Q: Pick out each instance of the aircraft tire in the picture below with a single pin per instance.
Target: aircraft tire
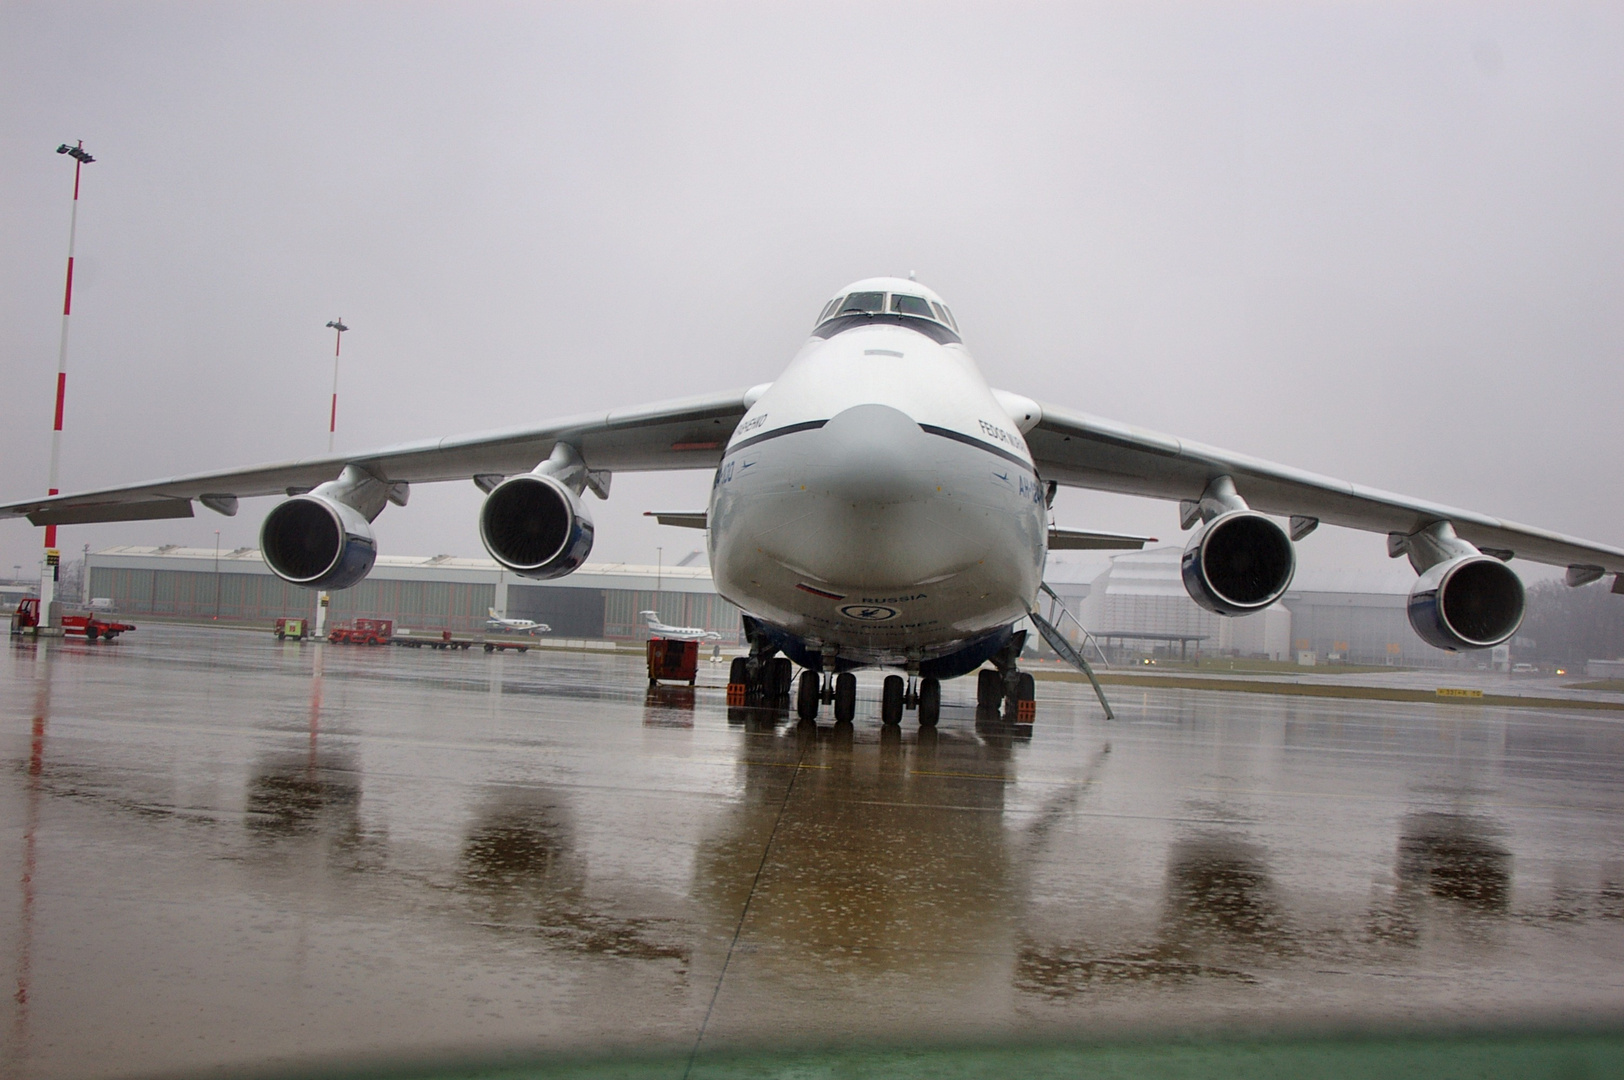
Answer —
(739, 670)
(845, 697)
(806, 696)
(989, 688)
(783, 678)
(930, 702)
(891, 700)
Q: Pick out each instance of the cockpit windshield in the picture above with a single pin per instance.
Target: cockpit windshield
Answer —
(881, 303)
(866, 302)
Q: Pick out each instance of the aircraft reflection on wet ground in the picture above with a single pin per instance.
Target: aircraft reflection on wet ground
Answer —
(226, 851)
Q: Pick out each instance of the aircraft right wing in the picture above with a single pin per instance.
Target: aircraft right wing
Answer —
(690, 433)
(1079, 450)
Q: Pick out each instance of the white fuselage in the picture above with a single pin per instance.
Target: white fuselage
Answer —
(878, 501)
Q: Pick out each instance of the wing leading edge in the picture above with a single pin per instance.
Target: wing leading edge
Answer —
(1079, 450)
(689, 433)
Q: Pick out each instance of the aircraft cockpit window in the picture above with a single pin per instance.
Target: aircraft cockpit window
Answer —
(842, 308)
(866, 302)
(903, 304)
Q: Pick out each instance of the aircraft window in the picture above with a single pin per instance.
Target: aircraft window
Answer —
(870, 302)
(951, 321)
(937, 308)
(829, 308)
(910, 305)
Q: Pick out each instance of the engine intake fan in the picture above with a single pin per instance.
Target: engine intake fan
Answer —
(535, 524)
(1238, 561)
(1463, 599)
(323, 540)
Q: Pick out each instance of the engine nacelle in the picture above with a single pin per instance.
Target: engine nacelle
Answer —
(536, 526)
(1238, 563)
(1470, 602)
(317, 542)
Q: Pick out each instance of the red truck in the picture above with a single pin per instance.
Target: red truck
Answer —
(89, 627)
(363, 632)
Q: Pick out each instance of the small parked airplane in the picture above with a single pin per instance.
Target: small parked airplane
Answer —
(677, 633)
(525, 626)
(879, 505)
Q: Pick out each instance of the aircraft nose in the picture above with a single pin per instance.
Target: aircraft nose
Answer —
(872, 454)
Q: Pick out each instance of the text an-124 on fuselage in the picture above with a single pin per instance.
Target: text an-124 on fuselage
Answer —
(878, 505)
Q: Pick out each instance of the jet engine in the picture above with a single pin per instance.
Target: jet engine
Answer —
(536, 526)
(317, 542)
(1469, 602)
(1237, 563)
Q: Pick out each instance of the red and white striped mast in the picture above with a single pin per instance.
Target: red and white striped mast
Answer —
(53, 557)
(324, 598)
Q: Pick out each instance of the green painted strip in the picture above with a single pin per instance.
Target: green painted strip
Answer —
(1595, 1056)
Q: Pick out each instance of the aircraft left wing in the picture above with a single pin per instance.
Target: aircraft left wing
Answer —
(689, 433)
(1079, 450)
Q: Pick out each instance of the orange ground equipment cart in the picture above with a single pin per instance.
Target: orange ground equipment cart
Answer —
(672, 661)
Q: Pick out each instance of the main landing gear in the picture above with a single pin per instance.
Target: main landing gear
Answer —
(1007, 686)
(756, 680)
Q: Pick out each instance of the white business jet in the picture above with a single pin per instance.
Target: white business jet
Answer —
(523, 626)
(879, 505)
(677, 633)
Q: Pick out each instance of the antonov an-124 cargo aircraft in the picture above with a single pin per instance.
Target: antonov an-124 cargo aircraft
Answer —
(878, 505)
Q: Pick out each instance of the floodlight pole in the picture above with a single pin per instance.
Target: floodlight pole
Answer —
(53, 557)
(338, 328)
(325, 598)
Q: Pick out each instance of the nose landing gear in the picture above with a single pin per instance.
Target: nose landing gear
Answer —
(923, 694)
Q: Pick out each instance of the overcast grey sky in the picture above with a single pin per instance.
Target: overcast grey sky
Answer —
(1382, 241)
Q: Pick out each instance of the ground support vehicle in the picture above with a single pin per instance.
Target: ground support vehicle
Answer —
(363, 632)
(290, 629)
(89, 627)
(672, 661)
(503, 646)
(444, 641)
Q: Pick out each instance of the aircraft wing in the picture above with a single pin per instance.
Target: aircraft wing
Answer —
(1079, 450)
(685, 434)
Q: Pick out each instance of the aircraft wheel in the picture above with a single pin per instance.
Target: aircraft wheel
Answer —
(739, 670)
(930, 701)
(783, 678)
(1024, 699)
(989, 688)
(891, 700)
(806, 696)
(845, 697)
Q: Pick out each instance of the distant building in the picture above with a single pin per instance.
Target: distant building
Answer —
(1138, 606)
(1359, 615)
(599, 601)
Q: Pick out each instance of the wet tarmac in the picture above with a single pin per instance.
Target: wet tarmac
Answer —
(224, 851)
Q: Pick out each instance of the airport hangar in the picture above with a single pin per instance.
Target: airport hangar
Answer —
(1135, 605)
